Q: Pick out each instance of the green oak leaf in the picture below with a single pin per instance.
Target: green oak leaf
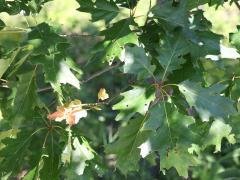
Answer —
(79, 155)
(137, 62)
(179, 158)
(171, 53)
(135, 100)
(207, 101)
(127, 146)
(168, 14)
(221, 70)
(217, 132)
(57, 71)
(235, 38)
(169, 139)
(116, 37)
(115, 47)
(100, 9)
(25, 99)
(13, 154)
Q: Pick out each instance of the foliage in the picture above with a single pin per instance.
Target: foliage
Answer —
(176, 110)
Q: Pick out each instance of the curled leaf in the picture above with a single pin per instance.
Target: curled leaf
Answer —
(102, 94)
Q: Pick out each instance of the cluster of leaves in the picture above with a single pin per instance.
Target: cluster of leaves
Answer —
(179, 105)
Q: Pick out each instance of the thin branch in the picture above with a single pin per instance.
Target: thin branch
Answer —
(81, 35)
(237, 4)
(44, 89)
(100, 72)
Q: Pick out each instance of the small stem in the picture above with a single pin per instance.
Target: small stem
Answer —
(44, 89)
(170, 85)
(100, 73)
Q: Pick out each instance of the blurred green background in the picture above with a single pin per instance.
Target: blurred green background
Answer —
(100, 128)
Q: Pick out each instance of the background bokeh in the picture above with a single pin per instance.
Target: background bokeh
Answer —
(100, 128)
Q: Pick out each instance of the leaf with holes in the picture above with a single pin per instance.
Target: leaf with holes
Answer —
(136, 100)
(137, 62)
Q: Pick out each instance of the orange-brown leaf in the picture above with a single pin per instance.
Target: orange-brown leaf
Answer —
(58, 114)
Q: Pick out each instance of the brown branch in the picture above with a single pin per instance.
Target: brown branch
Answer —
(100, 72)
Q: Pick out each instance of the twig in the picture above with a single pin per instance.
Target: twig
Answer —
(100, 73)
(44, 89)
(237, 4)
(81, 35)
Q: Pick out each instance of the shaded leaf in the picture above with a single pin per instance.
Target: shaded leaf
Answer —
(25, 99)
(127, 147)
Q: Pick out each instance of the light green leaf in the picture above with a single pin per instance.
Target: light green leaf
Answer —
(80, 154)
(116, 37)
(136, 100)
(178, 158)
(217, 132)
(57, 72)
(137, 62)
(207, 101)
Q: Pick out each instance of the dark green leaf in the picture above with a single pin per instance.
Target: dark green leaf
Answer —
(207, 101)
(127, 147)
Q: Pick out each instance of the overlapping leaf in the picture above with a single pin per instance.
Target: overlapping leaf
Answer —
(207, 101)
(168, 125)
(116, 37)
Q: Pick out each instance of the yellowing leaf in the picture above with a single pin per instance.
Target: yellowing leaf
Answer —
(102, 94)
